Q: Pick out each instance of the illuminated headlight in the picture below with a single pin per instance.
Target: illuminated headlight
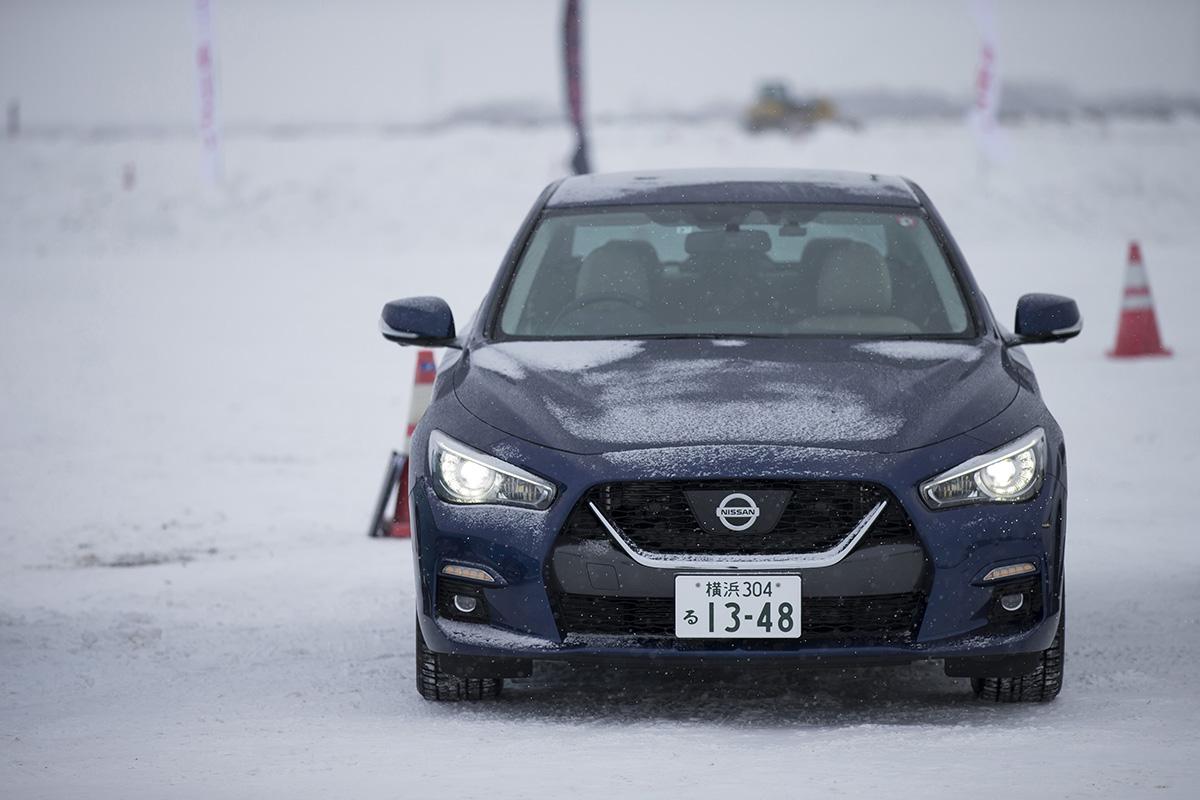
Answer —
(462, 474)
(1008, 474)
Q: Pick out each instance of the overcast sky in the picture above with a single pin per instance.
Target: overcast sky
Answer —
(130, 61)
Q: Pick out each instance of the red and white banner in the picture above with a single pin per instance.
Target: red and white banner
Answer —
(573, 64)
(985, 110)
(210, 139)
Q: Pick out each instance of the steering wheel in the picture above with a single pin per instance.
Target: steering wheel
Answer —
(580, 303)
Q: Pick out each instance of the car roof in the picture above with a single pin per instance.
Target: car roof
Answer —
(660, 187)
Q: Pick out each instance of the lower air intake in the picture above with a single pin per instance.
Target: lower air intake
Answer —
(871, 619)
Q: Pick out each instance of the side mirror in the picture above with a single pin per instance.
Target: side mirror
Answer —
(1046, 318)
(424, 321)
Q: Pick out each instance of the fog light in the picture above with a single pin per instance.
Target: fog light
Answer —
(1012, 570)
(467, 604)
(1009, 602)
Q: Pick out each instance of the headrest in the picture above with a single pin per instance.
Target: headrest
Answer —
(815, 251)
(854, 278)
(703, 242)
(618, 267)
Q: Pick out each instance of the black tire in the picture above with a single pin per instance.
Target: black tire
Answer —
(1040, 686)
(436, 685)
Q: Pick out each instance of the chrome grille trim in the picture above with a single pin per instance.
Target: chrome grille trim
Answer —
(826, 558)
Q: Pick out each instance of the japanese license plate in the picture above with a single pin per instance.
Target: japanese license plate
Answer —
(737, 606)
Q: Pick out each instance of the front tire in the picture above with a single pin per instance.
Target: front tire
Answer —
(436, 685)
(1040, 686)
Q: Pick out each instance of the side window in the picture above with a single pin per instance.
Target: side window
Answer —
(588, 238)
(784, 249)
(667, 241)
(873, 235)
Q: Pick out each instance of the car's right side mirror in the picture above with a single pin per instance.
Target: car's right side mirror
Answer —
(423, 321)
(1046, 318)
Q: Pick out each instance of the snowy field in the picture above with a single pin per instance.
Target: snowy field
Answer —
(195, 408)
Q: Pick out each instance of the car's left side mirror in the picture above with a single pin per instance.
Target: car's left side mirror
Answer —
(1046, 318)
(422, 321)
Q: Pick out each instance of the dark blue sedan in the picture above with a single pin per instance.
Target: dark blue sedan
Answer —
(737, 417)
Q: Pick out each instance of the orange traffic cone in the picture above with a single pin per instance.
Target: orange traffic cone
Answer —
(422, 394)
(401, 525)
(1137, 331)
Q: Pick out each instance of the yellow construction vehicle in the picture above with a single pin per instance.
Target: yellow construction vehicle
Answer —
(776, 109)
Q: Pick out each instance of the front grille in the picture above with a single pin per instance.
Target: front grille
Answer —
(655, 516)
(876, 618)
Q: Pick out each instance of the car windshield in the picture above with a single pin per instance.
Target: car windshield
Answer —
(733, 269)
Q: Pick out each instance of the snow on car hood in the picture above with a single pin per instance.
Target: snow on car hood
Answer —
(600, 396)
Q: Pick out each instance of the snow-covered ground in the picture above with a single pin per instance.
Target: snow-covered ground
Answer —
(195, 408)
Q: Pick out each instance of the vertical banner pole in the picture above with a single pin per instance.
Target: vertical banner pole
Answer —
(210, 140)
(573, 63)
(983, 118)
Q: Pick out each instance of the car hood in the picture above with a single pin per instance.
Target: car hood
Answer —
(600, 396)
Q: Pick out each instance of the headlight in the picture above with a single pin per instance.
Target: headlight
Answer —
(1007, 474)
(462, 474)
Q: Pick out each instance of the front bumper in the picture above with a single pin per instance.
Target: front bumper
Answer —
(956, 547)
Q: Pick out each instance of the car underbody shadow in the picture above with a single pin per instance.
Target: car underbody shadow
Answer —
(780, 695)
